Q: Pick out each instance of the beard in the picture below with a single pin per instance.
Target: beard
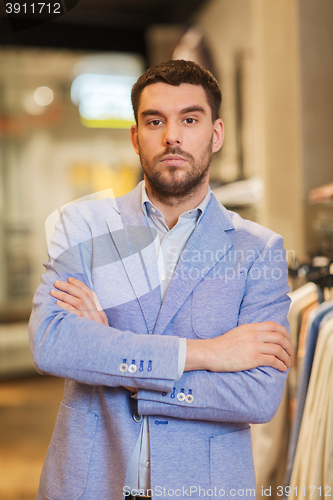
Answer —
(172, 184)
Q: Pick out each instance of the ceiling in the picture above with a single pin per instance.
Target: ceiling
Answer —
(112, 25)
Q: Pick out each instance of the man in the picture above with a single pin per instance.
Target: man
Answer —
(166, 306)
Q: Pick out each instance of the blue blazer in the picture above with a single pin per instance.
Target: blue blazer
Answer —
(231, 272)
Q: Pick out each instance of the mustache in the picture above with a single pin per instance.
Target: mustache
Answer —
(174, 151)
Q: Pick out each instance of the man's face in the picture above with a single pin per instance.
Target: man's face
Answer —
(175, 138)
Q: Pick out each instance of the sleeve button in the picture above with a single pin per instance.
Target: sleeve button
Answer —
(181, 396)
(189, 398)
(132, 368)
(123, 367)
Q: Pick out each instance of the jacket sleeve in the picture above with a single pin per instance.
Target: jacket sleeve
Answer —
(249, 396)
(68, 346)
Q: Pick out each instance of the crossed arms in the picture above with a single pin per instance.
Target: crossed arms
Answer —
(234, 376)
(243, 348)
(238, 376)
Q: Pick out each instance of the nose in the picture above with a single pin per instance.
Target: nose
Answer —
(173, 135)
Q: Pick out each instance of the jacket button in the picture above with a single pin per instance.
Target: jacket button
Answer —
(137, 417)
(189, 398)
(132, 368)
(123, 367)
(181, 396)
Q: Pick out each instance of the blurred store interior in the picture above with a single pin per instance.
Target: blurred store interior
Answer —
(274, 62)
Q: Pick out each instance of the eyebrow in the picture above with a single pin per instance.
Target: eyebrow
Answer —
(192, 109)
(189, 109)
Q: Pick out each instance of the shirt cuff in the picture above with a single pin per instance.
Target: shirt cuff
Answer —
(181, 356)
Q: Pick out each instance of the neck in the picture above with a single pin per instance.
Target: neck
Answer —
(172, 208)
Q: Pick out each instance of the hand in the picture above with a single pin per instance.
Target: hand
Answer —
(245, 347)
(75, 297)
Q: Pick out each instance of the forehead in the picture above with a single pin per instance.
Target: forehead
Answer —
(164, 97)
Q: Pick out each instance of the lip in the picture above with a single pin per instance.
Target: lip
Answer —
(173, 160)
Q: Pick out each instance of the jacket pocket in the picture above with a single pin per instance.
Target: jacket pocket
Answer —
(216, 303)
(65, 470)
(231, 465)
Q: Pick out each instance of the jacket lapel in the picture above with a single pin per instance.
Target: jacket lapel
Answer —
(207, 245)
(136, 245)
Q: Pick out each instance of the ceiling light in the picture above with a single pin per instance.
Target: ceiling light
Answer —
(43, 96)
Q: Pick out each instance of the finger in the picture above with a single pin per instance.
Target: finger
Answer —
(77, 289)
(79, 313)
(273, 337)
(96, 301)
(271, 326)
(288, 348)
(68, 308)
(94, 297)
(278, 352)
(285, 344)
(87, 310)
(104, 318)
(79, 284)
(278, 339)
(76, 296)
(99, 309)
(81, 291)
(85, 305)
(68, 299)
(268, 360)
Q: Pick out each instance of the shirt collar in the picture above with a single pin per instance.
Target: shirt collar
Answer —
(149, 208)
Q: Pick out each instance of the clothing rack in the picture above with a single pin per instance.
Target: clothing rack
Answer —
(296, 447)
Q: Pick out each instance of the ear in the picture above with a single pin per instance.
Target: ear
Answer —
(218, 135)
(134, 137)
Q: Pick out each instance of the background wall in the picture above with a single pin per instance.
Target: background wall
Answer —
(316, 56)
(283, 50)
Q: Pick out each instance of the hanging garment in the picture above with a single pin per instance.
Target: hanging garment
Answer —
(303, 336)
(314, 321)
(312, 471)
(270, 440)
(300, 299)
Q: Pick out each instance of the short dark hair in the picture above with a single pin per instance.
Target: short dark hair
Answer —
(176, 72)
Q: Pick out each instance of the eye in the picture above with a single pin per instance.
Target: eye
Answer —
(190, 120)
(154, 123)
